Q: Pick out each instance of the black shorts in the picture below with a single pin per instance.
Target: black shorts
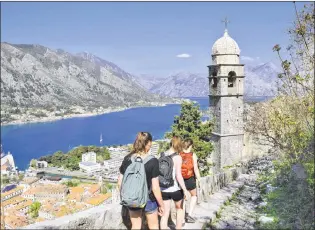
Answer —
(190, 183)
(175, 196)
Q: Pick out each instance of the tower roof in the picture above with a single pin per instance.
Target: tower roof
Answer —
(225, 45)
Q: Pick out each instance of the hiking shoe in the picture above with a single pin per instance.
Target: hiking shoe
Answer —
(190, 219)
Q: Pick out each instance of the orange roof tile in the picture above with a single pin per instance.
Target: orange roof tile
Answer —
(74, 196)
(76, 190)
(23, 205)
(14, 200)
(94, 188)
(46, 188)
(98, 199)
(15, 221)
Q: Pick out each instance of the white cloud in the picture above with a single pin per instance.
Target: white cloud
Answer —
(246, 58)
(250, 59)
(183, 56)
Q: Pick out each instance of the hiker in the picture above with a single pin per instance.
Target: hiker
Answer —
(172, 183)
(139, 183)
(191, 175)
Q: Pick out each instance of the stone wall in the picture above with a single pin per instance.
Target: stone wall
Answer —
(213, 183)
(112, 216)
(253, 149)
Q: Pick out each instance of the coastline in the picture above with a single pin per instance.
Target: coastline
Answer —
(86, 114)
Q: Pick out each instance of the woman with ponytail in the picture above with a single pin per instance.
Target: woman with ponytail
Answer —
(155, 205)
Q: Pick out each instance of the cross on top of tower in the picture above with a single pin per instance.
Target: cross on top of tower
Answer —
(226, 21)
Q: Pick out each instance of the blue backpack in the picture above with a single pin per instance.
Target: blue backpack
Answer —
(134, 191)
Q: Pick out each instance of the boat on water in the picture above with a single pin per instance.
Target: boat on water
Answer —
(101, 139)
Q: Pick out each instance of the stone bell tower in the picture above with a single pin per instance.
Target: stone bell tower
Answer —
(226, 84)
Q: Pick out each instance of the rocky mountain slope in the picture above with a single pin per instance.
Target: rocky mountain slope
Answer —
(34, 76)
(260, 81)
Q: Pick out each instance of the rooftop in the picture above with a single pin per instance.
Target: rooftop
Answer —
(98, 199)
(76, 189)
(11, 191)
(23, 205)
(46, 188)
(15, 221)
(8, 187)
(13, 201)
(30, 180)
(225, 45)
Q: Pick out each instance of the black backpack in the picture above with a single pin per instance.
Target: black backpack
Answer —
(166, 165)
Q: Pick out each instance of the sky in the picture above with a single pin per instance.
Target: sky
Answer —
(151, 38)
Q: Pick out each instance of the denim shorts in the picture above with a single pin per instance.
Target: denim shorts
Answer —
(150, 207)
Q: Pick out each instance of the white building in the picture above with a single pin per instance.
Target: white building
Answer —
(89, 157)
(113, 163)
(90, 167)
(154, 149)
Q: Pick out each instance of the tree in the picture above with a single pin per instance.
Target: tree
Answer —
(99, 159)
(21, 177)
(4, 180)
(33, 163)
(34, 208)
(189, 125)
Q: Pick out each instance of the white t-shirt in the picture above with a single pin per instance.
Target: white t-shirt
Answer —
(175, 187)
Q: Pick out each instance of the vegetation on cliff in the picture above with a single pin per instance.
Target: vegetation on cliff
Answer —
(287, 124)
(189, 125)
(71, 159)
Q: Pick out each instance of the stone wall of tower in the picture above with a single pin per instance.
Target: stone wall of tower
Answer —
(231, 115)
(231, 148)
(231, 59)
(224, 70)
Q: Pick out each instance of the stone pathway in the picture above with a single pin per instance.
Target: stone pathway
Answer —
(240, 213)
(205, 212)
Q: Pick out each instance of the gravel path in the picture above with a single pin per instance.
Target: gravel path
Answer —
(241, 212)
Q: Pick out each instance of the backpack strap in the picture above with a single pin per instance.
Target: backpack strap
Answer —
(149, 157)
(173, 155)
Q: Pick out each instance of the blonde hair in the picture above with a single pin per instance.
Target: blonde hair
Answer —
(176, 144)
(142, 139)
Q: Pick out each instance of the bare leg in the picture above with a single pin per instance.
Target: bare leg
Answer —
(193, 201)
(184, 208)
(153, 220)
(164, 218)
(180, 215)
(135, 217)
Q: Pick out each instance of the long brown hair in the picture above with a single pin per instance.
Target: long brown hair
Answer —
(142, 139)
(176, 144)
(187, 143)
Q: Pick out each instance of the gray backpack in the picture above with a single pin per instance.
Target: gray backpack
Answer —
(134, 191)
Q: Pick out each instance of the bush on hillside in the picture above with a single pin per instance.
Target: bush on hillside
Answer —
(286, 123)
(71, 159)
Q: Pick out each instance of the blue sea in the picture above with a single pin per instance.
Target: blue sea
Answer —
(29, 141)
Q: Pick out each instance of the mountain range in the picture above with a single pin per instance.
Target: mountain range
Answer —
(260, 80)
(35, 76)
